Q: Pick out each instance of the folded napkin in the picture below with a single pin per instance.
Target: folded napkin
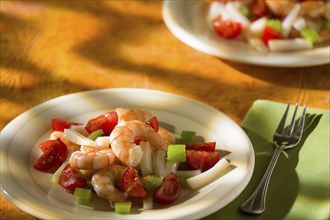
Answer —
(299, 186)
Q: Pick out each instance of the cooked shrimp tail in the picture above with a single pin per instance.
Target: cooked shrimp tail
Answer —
(92, 158)
(133, 114)
(122, 141)
(104, 183)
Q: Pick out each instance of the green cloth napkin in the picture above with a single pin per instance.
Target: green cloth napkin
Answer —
(299, 186)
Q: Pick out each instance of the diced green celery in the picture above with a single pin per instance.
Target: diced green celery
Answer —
(275, 24)
(326, 25)
(245, 11)
(123, 207)
(310, 34)
(82, 201)
(187, 137)
(176, 152)
(82, 192)
(151, 182)
(95, 134)
(82, 196)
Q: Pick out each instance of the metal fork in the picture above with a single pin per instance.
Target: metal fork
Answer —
(255, 204)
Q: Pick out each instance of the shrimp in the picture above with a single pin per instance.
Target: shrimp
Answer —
(92, 158)
(143, 115)
(133, 114)
(280, 8)
(104, 182)
(123, 136)
(314, 9)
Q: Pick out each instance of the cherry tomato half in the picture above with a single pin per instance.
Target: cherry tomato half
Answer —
(70, 180)
(60, 125)
(201, 160)
(204, 146)
(226, 28)
(270, 33)
(55, 153)
(46, 145)
(153, 122)
(169, 191)
(131, 183)
(106, 122)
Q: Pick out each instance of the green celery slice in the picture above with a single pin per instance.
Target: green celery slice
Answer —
(310, 34)
(82, 196)
(123, 207)
(176, 152)
(275, 24)
(95, 134)
(151, 182)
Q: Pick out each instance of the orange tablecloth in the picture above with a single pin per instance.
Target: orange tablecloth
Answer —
(53, 48)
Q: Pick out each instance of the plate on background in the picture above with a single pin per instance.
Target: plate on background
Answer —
(32, 191)
(188, 21)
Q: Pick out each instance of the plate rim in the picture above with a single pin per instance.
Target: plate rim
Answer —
(299, 60)
(20, 119)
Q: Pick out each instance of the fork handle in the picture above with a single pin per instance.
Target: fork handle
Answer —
(255, 204)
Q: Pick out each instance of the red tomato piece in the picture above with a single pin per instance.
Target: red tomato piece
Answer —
(226, 28)
(201, 160)
(169, 191)
(204, 146)
(131, 183)
(153, 122)
(258, 9)
(44, 146)
(54, 156)
(106, 122)
(60, 125)
(70, 180)
(270, 33)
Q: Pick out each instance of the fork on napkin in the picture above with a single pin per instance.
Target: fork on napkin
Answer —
(300, 186)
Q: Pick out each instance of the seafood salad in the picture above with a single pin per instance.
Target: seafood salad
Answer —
(127, 159)
(272, 25)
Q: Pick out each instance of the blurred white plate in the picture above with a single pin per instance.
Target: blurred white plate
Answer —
(32, 191)
(188, 21)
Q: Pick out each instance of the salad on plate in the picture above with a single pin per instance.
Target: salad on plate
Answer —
(272, 25)
(124, 157)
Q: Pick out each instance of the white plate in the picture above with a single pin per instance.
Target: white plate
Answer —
(32, 192)
(188, 21)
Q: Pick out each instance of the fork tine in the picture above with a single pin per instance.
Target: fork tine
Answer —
(291, 126)
(301, 123)
(282, 122)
